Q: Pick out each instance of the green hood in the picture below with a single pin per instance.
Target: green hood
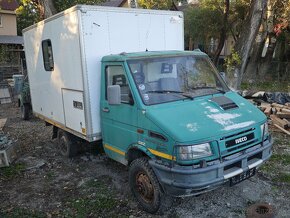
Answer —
(201, 119)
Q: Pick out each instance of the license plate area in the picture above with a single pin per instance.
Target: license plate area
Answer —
(243, 176)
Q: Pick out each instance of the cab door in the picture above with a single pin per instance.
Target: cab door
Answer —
(119, 122)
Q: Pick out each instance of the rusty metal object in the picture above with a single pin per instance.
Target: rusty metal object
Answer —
(261, 210)
(145, 187)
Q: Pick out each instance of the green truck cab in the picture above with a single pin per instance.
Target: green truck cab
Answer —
(173, 120)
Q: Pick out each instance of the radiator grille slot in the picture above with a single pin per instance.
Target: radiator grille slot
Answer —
(224, 102)
(238, 141)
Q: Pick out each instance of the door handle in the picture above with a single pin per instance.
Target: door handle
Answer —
(106, 110)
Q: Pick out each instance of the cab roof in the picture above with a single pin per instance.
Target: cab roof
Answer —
(148, 54)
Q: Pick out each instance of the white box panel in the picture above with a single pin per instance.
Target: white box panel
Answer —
(80, 37)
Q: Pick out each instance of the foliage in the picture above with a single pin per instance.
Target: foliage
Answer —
(27, 14)
(233, 60)
(205, 22)
(212, 4)
(30, 12)
(155, 4)
(281, 15)
(238, 14)
(61, 5)
(202, 23)
(6, 56)
(3, 54)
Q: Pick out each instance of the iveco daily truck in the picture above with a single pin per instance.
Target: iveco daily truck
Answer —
(120, 76)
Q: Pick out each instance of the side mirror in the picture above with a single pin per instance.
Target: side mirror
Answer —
(114, 95)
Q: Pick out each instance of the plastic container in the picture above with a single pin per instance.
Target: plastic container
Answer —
(18, 83)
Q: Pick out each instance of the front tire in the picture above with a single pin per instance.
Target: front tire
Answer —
(145, 186)
(67, 144)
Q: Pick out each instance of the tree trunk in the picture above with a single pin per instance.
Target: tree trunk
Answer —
(223, 33)
(47, 8)
(190, 44)
(265, 62)
(282, 66)
(252, 70)
(248, 35)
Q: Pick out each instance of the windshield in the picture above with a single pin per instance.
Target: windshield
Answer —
(161, 80)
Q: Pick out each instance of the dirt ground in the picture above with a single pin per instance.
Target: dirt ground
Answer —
(41, 183)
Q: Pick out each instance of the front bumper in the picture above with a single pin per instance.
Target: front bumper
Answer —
(186, 180)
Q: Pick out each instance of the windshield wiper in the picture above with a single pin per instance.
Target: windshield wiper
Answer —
(187, 95)
(210, 87)
(164, 91)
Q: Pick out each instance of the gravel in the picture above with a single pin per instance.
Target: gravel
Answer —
(48, 183)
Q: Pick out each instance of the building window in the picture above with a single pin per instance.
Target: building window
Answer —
(0, 20)
(47, 55)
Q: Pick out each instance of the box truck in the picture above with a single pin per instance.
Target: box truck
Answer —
(120, 76)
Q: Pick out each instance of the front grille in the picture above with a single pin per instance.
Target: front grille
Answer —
(233, 142)
(243, 145)
(239, 133)
(237, 141)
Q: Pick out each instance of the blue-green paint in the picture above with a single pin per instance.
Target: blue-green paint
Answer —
(182, 122)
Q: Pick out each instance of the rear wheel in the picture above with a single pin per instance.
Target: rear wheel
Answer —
(25, 110)
(145, 186)
(67, 143)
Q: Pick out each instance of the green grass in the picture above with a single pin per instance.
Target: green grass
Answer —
(280, 139)
(271, 86)
(267, 168)
(283, 177)
(281, 158)
(272, 164)
(50, 176)
(100, 203)
(96, 198)
(84, 207)
(11, 171)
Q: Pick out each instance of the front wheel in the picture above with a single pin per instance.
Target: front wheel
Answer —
(145, 186)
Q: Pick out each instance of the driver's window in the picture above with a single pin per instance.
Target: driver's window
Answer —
(115, 75)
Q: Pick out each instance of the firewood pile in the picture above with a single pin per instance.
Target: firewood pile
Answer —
(276, 106)
(279, 115)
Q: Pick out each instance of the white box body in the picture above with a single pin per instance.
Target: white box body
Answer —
(80, 37)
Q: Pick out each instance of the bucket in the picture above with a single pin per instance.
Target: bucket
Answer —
(18, 83)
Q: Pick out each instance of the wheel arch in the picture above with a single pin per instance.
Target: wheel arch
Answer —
(137, 151)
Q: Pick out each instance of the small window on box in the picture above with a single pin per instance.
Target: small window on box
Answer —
(47, 55)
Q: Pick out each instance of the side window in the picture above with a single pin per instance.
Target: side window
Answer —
(47, 55)
(115, 75)
(1, 20)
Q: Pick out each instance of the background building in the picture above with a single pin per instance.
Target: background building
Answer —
(11, 45)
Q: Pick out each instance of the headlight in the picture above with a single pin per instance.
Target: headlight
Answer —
(194, 151)
(264, 127)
